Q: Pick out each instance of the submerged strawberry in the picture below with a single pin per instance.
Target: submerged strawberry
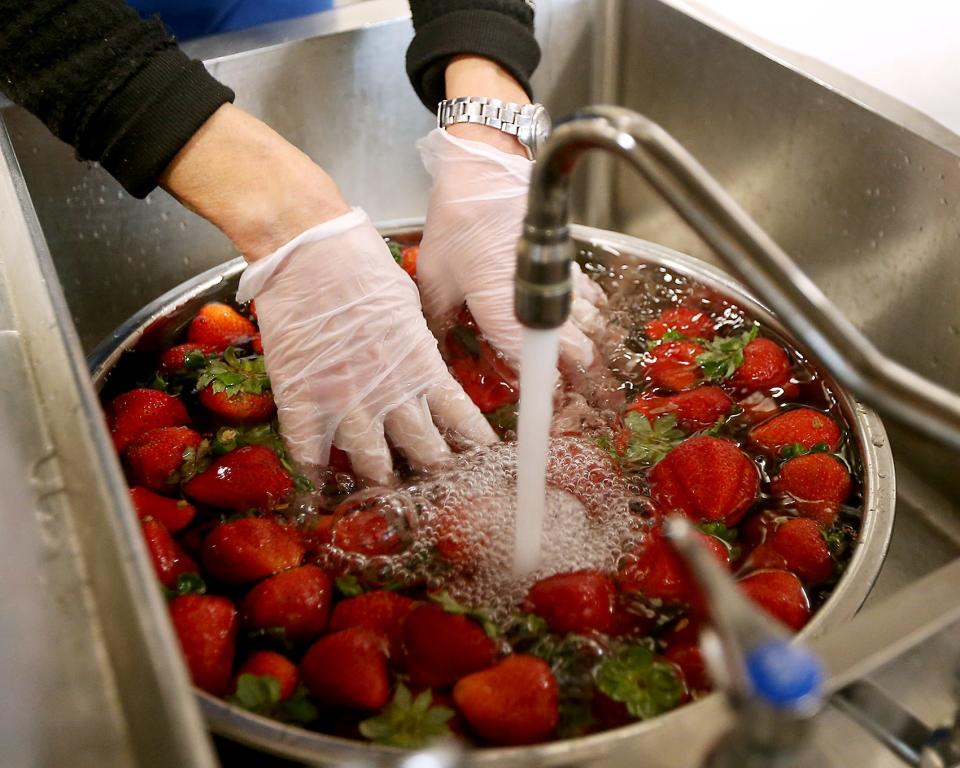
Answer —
(348, 669)
(169, 560)
(765, 367)
(175, 514)
(382, 612)
(692, 323)
(185, 357)
(800, 542)
(207, 628)
(250, 549)
(135, 412)
(250, 477)
(579, 602)
(781, 594)
(442, 647)
(156, 458)
(512, 703)
(803, 427)
(705, 478)
(297, 602)
(694, 409)
(673, 365)
(280, 668)
(219, 326)
(656, 571)
(242, 408)
(237, 389)
(818, 483)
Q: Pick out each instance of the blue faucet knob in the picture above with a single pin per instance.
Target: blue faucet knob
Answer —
(785, 676)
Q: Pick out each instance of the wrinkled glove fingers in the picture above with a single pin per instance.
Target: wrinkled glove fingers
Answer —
(363, 440)
(411, 429)
(575, 348)
(455, 411)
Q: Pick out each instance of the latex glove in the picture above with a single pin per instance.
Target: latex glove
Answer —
(469, 247)
(349, 354)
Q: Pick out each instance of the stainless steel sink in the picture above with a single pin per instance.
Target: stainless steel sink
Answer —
(861, 190)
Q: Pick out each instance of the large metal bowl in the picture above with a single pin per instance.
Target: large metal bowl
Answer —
(159, 323)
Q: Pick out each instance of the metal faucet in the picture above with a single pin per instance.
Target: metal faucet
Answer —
(543, 286)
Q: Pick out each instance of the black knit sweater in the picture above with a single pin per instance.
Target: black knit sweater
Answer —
(120, 91)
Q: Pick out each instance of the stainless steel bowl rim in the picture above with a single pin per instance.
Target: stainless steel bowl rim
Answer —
(879, 499)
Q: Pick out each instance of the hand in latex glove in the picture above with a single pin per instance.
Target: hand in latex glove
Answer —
(469, 247)
(349, 352)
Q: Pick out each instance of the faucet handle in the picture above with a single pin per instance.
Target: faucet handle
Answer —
(749, 654)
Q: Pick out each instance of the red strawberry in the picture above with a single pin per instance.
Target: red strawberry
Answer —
(219, 326)
(135, 412)
(284, 671)
(256, 344)
(408, 259)
(297, 601)
(483, 374)
(340, 460)
(673, 365)
(695, 409)
(169, 561)
(242, 408)
(175, 514)
(442, 647)
(657, 572)
(207, 628)
(348, 669)
(800, 542)
(693, 323)
(757, 407)
(688, 658)
(765, 366)
(579, 602)
(247, 478)
(185, 356)
(512, 703)
(382, 612)
(781, 594)
(818, 482)
(799, 426)
(705, 478)
(365, 524)
(250, 549)
(156, 457)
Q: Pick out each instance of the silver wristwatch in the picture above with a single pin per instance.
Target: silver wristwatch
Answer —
(530, 123)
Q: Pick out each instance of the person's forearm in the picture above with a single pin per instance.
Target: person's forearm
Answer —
(477, 76)
(259, 189)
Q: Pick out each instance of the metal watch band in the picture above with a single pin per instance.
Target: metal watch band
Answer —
(503, 115)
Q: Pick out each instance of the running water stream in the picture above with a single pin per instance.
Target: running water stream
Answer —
(538, 372)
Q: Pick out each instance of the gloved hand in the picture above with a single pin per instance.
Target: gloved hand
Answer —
(349, 353)
(469, 246)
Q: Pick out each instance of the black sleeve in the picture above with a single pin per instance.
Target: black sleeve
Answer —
(501, 30)
(114, 87)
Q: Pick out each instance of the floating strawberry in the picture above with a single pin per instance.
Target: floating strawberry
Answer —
(656, 571)
(219, 326)
(207, 628)
(796, 430)
(512, 703)
(688, 658)
(645, 684)
(348, 669)
(694, 409)
(442, 647)
(673, 365)
(692, 323)
(411, 722)
(158, 458)
(169, 560)
(297, 602)
(185, 358)
(578, 602)
(280, 668)
(250, 549)
(250, 477)
(370, 525)
(483, 374)
(133, 413)
(705, 478)
(817, 482)
(382, 612)
(765, 366)
(781, 594)
(801, 543)
(237, 389)
(175, 514)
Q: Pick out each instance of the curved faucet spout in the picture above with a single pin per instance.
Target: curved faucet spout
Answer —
(543, 287)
